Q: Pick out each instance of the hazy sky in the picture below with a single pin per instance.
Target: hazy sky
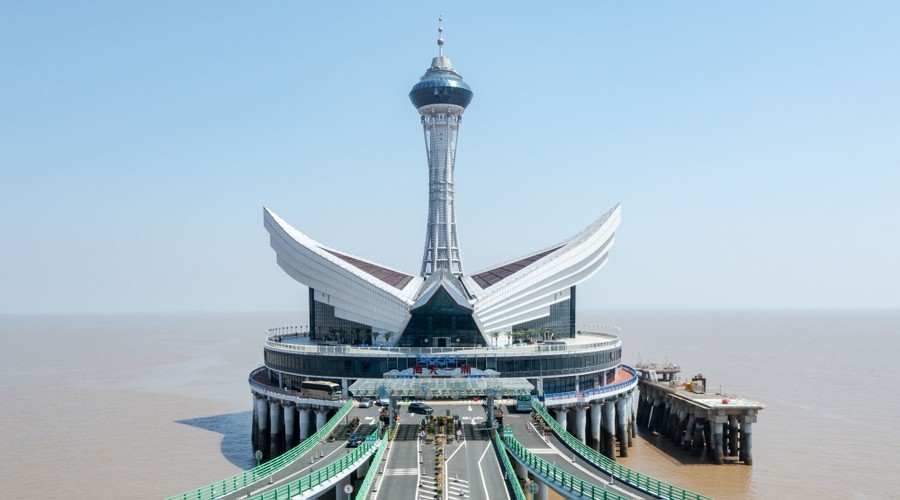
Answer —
(754, 147)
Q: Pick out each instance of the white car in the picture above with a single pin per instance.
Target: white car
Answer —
(365, 402)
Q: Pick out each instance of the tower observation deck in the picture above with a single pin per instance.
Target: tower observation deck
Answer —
(441, 98)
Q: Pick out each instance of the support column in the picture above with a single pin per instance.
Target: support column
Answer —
(733, 436)
(655, 410)
(275, 435)
(642, 417)
(663, 425)
(689, 433)
(344, 386)
(561, 415)
(254, 427)
(623, 427)
(363, 469)
(609, 429)
(321, 418)
(262, 424)
(718, 438)
(303, 423)
(596, 413)
(632, 420)
(543, 491)
(521, 470)
(678, 430)
(580, 417)
(746, 444)
(289, 437)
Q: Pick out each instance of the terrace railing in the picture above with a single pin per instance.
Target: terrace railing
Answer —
(596, 390)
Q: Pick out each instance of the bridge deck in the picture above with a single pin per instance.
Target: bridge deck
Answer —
(553, 450)
(302, 466)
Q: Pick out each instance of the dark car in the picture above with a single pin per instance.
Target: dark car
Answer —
(420, 408)
(355, 440)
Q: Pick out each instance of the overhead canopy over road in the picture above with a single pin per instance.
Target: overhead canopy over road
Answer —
(442, 387)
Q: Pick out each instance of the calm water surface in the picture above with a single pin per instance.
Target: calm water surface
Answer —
(146, 406)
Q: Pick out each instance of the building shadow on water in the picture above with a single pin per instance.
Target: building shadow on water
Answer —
(235, 431)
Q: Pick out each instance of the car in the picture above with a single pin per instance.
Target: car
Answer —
(355, 440)
(420, 408)
(365, 402)
(383, 402)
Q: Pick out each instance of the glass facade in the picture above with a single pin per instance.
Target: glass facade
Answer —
(441, 322)
(324, 325)
(345, 366)
(561, 319)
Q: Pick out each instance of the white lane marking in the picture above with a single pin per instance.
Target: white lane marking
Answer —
(387, 460)
(447, 463)
(496, 463)
(481, 471)
(418, 466)
(589, 473)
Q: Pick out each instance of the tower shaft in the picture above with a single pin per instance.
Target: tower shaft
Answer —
(440, 124)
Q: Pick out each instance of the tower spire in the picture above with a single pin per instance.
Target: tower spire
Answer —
(440, 36)
(441, 96)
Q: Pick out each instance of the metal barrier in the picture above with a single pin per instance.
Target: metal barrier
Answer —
(595, 390)
(562, 479)
(604, 463)
(262, 471)
(508, 467)
(373, 468)
(320, 476)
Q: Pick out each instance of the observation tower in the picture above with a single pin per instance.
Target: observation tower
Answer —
(441, 97)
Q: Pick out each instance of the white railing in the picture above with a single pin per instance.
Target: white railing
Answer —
(275, 340)
(564, 398)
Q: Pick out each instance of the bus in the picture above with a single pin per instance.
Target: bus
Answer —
(523, 403)
(320, 389)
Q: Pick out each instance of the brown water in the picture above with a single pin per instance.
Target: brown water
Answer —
(146, 406)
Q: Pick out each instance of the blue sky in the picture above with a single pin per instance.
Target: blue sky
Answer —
(754, 146)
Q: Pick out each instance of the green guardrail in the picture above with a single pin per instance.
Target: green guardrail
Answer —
(604, 463)
(317, 477)
(373, 468)
(561, 478)
(261, 471)
(508, 466)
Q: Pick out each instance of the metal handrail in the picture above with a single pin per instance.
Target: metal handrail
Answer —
(288, 395)
(596, 390)
(274, 341)
(373, 468)
(510, 470)
(317, 477)
(559, 477)
(262, 471)
(609, 466)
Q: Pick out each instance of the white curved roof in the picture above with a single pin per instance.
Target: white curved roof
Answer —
(528, 293)
(346, 282)
(518, 291)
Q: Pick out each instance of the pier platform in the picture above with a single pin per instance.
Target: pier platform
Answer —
(693, 418)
